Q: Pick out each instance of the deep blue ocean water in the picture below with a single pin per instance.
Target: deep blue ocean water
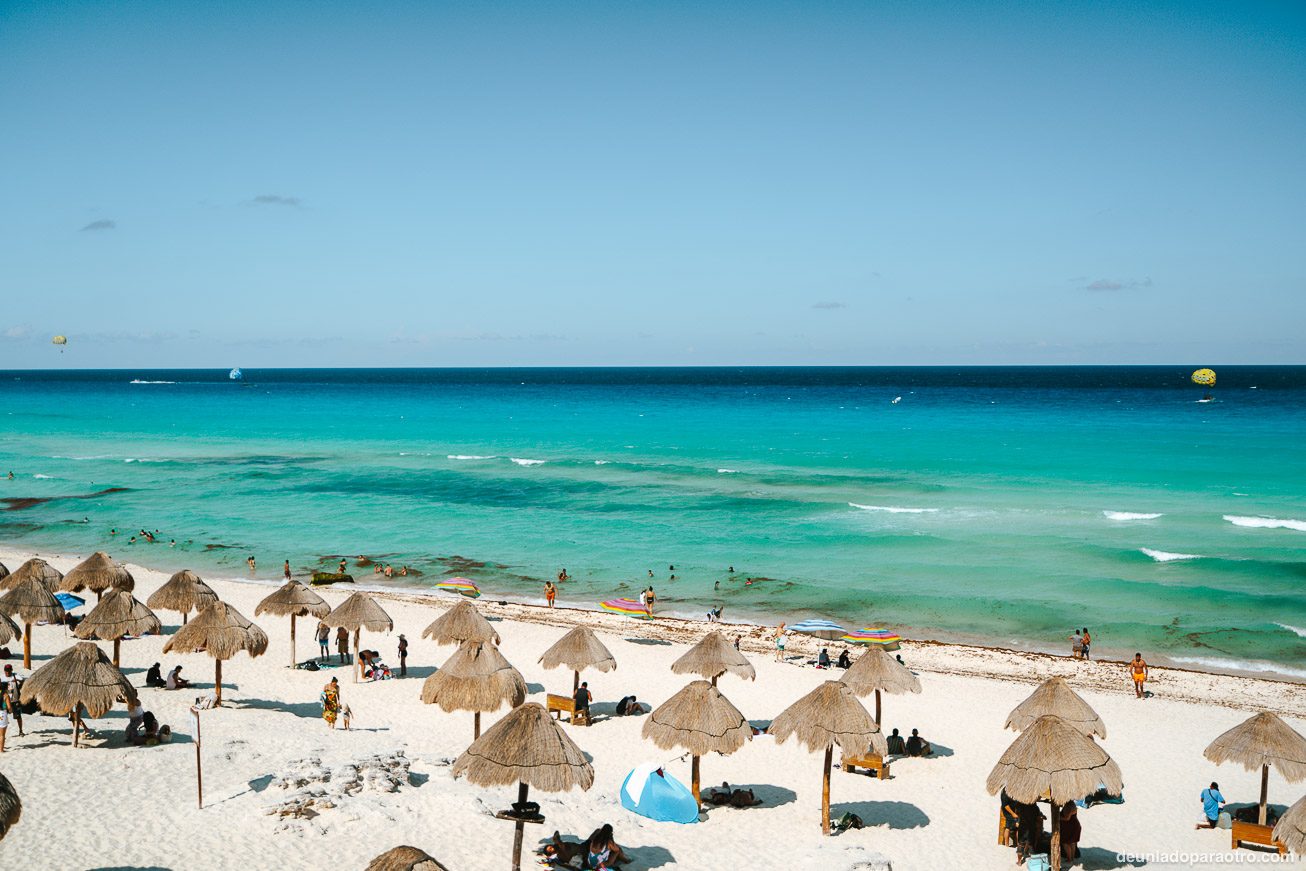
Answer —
(1003, 505)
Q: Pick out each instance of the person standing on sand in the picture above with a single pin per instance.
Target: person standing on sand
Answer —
(342, 644)
(1076, 645)
(403, 656)
(550, 592)
(1138, 671)
(780, 643)
(323, 640)
(331, 702)
(649, 601)
(1088, 639)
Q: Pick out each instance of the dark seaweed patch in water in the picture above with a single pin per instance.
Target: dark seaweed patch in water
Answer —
(224, 547)
(19, 503)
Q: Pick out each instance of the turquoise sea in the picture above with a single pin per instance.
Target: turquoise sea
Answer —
(1002, 505)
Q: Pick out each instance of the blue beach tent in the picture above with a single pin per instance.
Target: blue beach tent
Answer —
(650, 792)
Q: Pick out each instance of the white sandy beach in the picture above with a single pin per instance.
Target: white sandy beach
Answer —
(108, 805)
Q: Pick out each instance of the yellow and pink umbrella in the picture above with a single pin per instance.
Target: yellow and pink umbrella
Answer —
(461, 586)
(628, 607)
(874, 635)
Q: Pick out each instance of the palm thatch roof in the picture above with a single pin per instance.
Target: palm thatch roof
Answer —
(97, 573)
(713, 657)
(476, 678)
(526, 746)
(184, 592)
(830, 715)
(405, 858)
(294, 599)
(1054, 759)
(698, 719)
(81, 675)
(578, 650)
(31, 601)
(1054, 696)
(460, 623)
(9, 630)
(876, 670)
(360, 610)
(4, 573)
(220, 631)
(33, 568)
(118, 614)
(11, 806)
(1291, 829)
(1261, 740)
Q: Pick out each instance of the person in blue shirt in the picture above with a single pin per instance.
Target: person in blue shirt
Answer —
(1212, 801)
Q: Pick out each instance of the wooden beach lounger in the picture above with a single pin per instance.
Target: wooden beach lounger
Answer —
(1253, 833)
(871, 762)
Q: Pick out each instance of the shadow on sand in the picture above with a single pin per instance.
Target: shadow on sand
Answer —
(894, 814)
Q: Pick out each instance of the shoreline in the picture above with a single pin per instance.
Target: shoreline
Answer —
(1253, 692)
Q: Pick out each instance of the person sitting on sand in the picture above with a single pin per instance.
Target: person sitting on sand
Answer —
(135, 719)
(1212, 803)
(733, 797)
(602, 851)
(714, 615)
(582, 698)
(154, 676)
(175, 681)
(845, 661)
(1138, 671)
(823, 658)
(628, 706)
(1070, 831)
(897, 747)
(918, 746)
(331, 702)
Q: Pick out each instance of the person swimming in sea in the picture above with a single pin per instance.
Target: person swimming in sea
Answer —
(341, 569)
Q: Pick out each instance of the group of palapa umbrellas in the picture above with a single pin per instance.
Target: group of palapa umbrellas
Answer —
(1054, 759)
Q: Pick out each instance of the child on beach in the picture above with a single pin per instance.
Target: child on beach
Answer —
(780, 643)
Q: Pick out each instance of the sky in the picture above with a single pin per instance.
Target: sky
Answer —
(437, 184)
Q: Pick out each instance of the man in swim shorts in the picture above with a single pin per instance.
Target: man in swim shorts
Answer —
(1138, 671)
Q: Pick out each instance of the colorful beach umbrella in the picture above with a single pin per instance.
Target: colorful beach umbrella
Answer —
(820, 629)
(874, 635)
(461, 586)
(629, 607)
(69, 601)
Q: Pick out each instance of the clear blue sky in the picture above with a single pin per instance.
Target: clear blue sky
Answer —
(264, 184)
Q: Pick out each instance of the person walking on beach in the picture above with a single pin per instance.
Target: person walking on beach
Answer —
(403, 656)
(331, 702)
(12, 688)
(649, 601)
(285, 569)
(1087, 641)
(780, 643)
(550, 592)
(342, 644)
(323, 641)
(1138, 671)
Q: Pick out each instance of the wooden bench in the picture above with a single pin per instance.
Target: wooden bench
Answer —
(560, 705)
(1254, 833)
(871, 762)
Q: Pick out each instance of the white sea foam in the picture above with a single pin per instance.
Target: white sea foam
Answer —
(893, 509)
(1128, 515)
(139, 381)
(43, 476)
(519, 461)
(1297, 630)
(1266, 522)
(470, 457)
(1163, 556)
(601, 462)
(727, 471)
(1245, 665)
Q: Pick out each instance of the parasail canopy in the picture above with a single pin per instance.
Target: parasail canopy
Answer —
(59, 340)
(1205, 377)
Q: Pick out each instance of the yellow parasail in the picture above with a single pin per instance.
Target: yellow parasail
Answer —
(1205, 377)
(59, 340)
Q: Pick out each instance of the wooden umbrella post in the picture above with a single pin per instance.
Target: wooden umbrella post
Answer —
(693, 779)
(476, 725)
(77, 723)
(358, 660)
(825, 790)
(522, 790)
(27, 646)
(293, 658)
(1056, 837)
(877, 707)
(575, 684)
(217, 681)
(1265, 788)
(116, 642)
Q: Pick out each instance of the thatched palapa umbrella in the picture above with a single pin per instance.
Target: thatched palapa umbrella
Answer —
(1261, 742)
(118, 615)
(80, 677)
(460, 623)
(11, 806)
(1291, 829)
(829, 715)
(1054, 696)
(4, 573)
(296, 600)
(876, 670)
(578, 650)
(97, 573)
(701, 720)
(529, 749)
(405, 858)
(32, 602)
(476, 678)
(33, 568)
(1053, 760)
(183, 592)
(713, 657)
(360, 611)
(9, 630)
(220, 631)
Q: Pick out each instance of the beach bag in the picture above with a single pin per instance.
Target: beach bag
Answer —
(1038, 863)
(1225, 820)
